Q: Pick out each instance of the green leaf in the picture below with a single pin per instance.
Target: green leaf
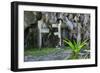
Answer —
(70, 44)
(75, 46)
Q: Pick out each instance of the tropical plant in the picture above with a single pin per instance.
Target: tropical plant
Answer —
(75, 46)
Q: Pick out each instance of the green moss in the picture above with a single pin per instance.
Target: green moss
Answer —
(39, 52)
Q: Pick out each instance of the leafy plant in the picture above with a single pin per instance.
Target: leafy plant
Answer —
(75, 46)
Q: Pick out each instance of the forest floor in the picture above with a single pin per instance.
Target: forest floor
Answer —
(46, 54)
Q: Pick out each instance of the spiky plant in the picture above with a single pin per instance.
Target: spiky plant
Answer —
(75, 46)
